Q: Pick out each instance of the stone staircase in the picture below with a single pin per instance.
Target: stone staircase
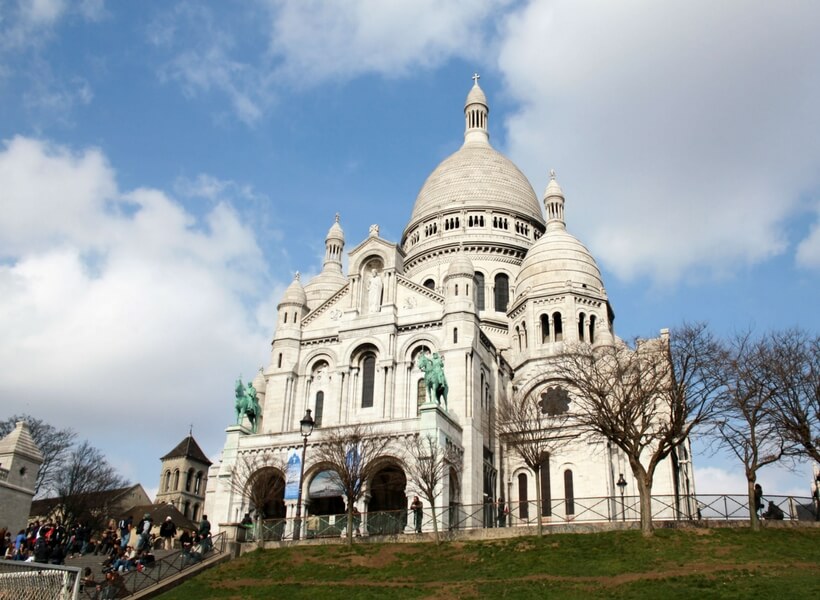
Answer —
(169, 570)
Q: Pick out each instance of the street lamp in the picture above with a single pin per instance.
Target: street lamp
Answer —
(306, 428)
(621, 483)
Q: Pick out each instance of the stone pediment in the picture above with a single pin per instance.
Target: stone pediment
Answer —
(412, 298)
(390, 254)
(328, 313)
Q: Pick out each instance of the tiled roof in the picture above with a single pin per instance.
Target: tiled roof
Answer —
(188, 448)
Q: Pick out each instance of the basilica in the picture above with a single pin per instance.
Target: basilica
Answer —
(492, 284)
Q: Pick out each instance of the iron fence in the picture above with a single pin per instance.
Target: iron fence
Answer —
(153, 573)
(627, 508)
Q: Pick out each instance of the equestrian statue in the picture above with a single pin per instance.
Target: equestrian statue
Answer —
(434, 379)
(247, 405)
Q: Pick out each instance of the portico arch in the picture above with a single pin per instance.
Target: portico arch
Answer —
(387, 506)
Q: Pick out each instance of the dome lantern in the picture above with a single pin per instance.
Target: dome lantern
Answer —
(476, 112)
(554, 204)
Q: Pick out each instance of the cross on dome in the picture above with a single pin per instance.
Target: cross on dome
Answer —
(552, 173)
(476, 77)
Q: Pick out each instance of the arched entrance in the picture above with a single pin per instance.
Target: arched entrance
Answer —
(325, 510)
(387, 509)
(267, 493)
(267, 498)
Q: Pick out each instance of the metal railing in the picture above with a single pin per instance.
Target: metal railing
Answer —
(159, 570)
(701, 507)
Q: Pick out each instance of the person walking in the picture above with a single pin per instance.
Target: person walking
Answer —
(168, 531)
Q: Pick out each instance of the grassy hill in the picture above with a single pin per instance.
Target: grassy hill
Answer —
(687, 564)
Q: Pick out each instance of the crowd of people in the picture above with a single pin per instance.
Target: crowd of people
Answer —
(123, 546)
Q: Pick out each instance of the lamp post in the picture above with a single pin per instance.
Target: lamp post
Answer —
(621, 483)
(306, 428)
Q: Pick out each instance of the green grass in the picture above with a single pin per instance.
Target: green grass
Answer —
(686, 564)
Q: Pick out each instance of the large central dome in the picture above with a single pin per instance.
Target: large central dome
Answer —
(476, 176)
(475, 198)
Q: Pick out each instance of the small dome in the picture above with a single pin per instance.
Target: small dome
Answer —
(555, 259)
(335, 232)
(461, 265)
(476, 96)
(553, 188)
(295, 294)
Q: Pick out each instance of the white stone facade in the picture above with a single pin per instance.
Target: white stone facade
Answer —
(481, 277)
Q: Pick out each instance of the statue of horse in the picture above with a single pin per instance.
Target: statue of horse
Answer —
(247, 405)
(434, 378)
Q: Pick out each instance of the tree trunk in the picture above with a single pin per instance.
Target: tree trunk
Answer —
(349, 523)
(645, 492)
(435, 520)
(753, 519)
(259, 533)
(644, 481)
(538, 502)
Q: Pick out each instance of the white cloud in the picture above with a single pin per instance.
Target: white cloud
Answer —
(320, 41)
(206, 62)
(683, 133)
(310, 42)
(120, 299)
(775, 480)
(808, 251)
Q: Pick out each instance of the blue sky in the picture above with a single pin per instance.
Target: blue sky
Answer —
(165, 168)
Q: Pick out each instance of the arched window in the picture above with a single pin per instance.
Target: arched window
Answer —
(176, 479)
(545, 329)
(523, 503)
(186, 509)
(198, 483)
(189, 479)
(167, 481)
(279, 362)
(368, 379)
(421, 394)
(479, 291)
(524, 335)
(546, 494)
(195, 514)
(456, 294)
(569, 492)
(502, 292)
(455, 335)
(558, 326)
(430, 284)
(592, 320)
(518, 336)
(581, 326)
(318, 409)
(286, 317)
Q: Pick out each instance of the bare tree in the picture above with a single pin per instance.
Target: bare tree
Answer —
(795, 368)
(352, 455)
(747, 424)
(54, 443)
(426, 464)
(258, 478)
(647, 400)
(533, 425)
(83, 483)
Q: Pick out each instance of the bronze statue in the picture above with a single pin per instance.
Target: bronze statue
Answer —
(434, 378)
(247, 404)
